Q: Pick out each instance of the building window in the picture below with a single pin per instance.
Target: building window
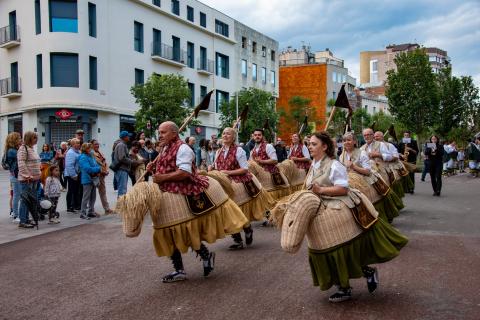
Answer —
(203, 58)
(138, 36)
(272, 78)
(222, 62)
(139, 77)
(64, 70)
(190, 55)
(92, 64)
(264, 51)
(203, 19)
(191, 89)
(39, 72)
(244, 42)
(92, 20)
(63, 16)
(254, 72)
(334, 76)
(272, 55)
(264, 75)
(14, 75)
(254, 47)
(176, 7)
(190, 14)
(203, 91)
(222, 97)
(38, 20)
(221, 28)
(244, 68)
(156, 42)
(176, 49)
(156, 3)
(334, 95)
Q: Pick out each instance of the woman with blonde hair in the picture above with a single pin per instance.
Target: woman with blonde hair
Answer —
(12, 143)
(28, 173)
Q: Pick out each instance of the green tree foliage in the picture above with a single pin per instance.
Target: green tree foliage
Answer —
(412, 91)
(360, 120)
(451, 110)
(471, 101)
(338, 123)
(161, 98)
(299, 107)
(261, 107)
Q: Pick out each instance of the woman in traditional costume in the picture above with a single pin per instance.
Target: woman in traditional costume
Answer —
(248, 193)
(369, 182)
(297, 165)
(343, 232)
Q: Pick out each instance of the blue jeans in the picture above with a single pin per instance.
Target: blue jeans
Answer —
(121, 177)
(16, 195)
(22, 209)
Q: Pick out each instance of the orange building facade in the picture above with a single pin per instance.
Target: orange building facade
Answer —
(307, 81)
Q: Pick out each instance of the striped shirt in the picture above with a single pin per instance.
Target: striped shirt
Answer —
(28, 164)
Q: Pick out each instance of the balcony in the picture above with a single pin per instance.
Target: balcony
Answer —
(211, 107)
(9, 37)
(10, 88)
(205, 66)
(167, 54)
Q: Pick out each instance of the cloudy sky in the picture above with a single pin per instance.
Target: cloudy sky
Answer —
(348, 27)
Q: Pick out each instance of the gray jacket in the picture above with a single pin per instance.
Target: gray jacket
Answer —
(120, 154)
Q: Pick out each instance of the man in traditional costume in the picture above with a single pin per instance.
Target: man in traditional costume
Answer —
(473, 155)
(408, 151)
(300, 156)
(248, 193)
(185, 207)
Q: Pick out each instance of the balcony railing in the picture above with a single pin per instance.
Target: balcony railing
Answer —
(205, 66)
(10, 87)
(9, 36)
(211, 107)
(169, 54)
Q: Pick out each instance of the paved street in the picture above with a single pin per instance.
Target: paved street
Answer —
(92, 271)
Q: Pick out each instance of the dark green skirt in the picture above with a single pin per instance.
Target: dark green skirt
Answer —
(335, 266)
(397, 187)
(389, 207)
(407, 183)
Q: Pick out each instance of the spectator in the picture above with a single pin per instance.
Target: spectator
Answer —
(46, 157)
(52, 192)
(156, 150)
(140, 136)
(435, 154)
(12, 143)
(214, 140)
(89, 179)
(210, 154)
(79, 135)
(249, 146)
(72, 171)
(190, 141)
(124, 163)
(461, 160)
(60, 157)
(281, 150)
(426, 164)
(147, 150)
(201, 157)
(102, 190)
(137, 170)
(28, 173)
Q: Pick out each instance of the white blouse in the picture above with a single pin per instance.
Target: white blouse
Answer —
(185, 158)
(363, 160)
(338, 174)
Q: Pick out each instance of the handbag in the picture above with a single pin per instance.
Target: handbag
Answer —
(115, 165)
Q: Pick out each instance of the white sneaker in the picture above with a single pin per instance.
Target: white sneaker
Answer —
(16, 220)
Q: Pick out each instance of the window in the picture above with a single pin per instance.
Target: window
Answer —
(264, 51)
(156, 42)
(176, 7)
(334, 76)
(64, 70)
(203, 58)
(139, 77)
(92, 66)
(222, 62)
(38, 20)
(334, 95)
(203, 19)
(92, 20)
(221, 28)
(203, 91)
(374, 109)
(138, 36)
(272, 78)
(254, 72)
(244, 68)
(272, 55)
(244, 42)
(176, 49)
(190, 55)
(374, 65)
(264, 75)
(190, 14)
(14, 76)
(191, 88)
(222, 97)
(156, 3)
(39, 72)
(254, 47)
(63, 16)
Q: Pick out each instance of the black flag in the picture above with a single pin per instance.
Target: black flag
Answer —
(392, 133)
(204, 104)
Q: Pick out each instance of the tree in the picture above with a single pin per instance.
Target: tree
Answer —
(451, 107)
(299, 107)
(161, 98)
(471, 100)
(261, 108)
(412, 91)
(339, 120)
(360, 120)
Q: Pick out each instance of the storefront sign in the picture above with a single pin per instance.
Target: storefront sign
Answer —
(64, 114)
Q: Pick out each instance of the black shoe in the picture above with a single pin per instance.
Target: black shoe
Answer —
(91, 215)
(71, 210)
(236, 246)
(78, 209)
(372, 278)
(422, 180)
(179, 275)
(434, 194)
(249, 236)
(438, 194)
(208, 265)
(82, 216)
(341, 295)
(26, 225)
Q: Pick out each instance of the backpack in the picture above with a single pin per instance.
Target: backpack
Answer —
(5, 164)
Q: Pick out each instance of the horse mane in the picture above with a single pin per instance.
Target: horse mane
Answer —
(288, 167)
(278, 212)
(223, 179)
(254, 167)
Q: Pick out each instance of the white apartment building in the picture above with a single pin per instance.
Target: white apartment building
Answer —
(70, 64)
(374, 103)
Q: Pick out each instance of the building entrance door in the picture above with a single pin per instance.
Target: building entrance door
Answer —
(63, 131)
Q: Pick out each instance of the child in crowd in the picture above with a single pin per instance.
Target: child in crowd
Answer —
(461, 160)
(52, 191)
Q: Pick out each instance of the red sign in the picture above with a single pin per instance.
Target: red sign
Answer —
(64, 114)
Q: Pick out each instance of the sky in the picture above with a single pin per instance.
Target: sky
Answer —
(349, 27)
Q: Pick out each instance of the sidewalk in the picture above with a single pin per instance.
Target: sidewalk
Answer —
(9, 230)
